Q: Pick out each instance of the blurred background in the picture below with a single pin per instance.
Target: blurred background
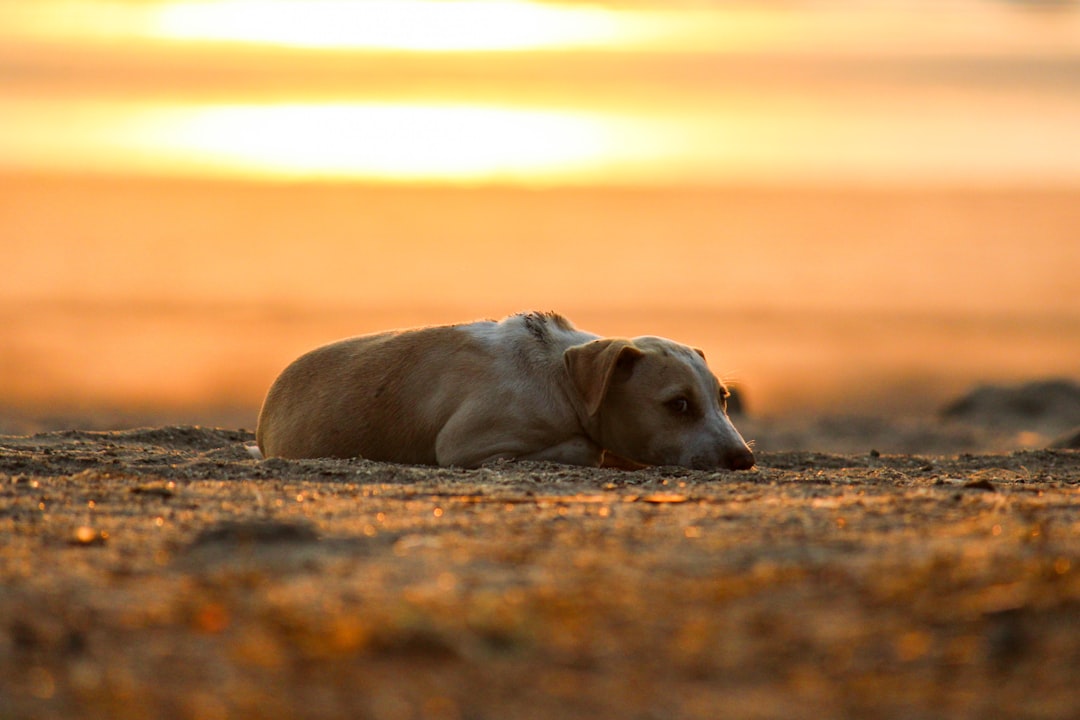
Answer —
(857, 208)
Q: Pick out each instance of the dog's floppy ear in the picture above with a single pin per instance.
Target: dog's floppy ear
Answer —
(592, 365)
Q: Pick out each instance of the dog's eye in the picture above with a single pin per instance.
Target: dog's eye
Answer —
(679, 405)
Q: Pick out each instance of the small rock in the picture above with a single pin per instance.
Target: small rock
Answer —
(736, 402)
(981, 484)
(1068, 441)
(1048, 406)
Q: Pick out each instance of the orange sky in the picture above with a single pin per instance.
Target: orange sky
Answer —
(503, 90)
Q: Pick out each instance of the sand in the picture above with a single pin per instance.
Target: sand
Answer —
(164, 573)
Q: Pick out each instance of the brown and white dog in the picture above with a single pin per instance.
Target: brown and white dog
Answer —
(530, 387)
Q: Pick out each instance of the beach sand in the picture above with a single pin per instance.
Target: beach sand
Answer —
(164, 573)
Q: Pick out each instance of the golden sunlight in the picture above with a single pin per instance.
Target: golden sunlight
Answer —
(522, 25)
(462, 143)
(433, 25)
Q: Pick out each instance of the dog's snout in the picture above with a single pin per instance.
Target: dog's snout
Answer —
(740, 459)
(733, 459)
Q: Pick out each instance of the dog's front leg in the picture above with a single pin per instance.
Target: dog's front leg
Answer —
(575, 451)
(471, 438)
(578, 450)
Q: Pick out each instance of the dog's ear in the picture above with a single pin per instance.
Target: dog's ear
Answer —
(592, 365)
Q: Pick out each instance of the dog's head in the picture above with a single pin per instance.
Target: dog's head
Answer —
(656, 402)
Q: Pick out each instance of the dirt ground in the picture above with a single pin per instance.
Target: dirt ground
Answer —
(163, 573)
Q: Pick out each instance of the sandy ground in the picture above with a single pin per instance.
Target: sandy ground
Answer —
(163, 573)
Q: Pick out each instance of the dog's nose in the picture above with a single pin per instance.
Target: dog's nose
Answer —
(740, 459)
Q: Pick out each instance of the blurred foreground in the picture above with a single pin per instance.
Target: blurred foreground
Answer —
(164, 573)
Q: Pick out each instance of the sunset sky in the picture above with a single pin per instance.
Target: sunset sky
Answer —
(538, 92)
(841, 201)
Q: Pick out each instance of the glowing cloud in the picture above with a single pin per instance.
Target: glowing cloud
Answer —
(434, 25)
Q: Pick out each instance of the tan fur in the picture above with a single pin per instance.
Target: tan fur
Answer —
(332, 401)
(529, 387)
(592, 366)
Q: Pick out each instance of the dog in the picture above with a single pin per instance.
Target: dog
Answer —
(528, 387)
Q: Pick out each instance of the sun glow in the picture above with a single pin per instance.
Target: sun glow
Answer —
(425, 141)
(395, 25)
(397, 142)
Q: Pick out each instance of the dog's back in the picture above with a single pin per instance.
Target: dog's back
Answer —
(387, 396)
(340, 400)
